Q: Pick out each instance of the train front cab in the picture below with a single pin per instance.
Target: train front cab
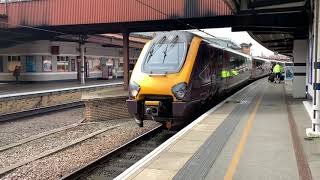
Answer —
(158, 86)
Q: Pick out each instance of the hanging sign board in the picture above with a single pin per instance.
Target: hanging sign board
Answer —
(289, 73)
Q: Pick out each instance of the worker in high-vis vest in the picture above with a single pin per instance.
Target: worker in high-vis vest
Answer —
(225, 74)
(228, 74)
(277, 69)
(234, 72)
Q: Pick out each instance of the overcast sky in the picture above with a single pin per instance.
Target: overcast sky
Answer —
(239, 37)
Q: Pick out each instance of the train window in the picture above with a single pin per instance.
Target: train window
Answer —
(238, 64)
(165, 58)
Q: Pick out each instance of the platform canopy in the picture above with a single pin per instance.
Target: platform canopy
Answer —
(273, 23)
(287, 20)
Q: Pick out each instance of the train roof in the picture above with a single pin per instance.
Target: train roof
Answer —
(187, 36)
(226, 49)
(213, 43)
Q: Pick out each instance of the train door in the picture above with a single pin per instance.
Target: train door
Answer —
(199, 77)
(216, 56)
(205, 71)
(254, 66)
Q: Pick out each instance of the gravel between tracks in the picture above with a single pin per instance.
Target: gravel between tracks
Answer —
(56, 165)
(13, 131)
(33, 148)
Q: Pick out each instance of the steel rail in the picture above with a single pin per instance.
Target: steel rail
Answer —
(77, 174)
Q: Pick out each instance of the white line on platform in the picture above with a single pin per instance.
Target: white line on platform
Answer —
(59, 90)
(138, 165)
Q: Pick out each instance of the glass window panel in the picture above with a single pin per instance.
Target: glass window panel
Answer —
(13, 61)
(165, 58)
(73, 65)
(30, 64)
(95, 65)
(62, 64)
(46, 63)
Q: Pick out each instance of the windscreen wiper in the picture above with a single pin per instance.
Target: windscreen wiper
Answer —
(172, 43)
(156, 44)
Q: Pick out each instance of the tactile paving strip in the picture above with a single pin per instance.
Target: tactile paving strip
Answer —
(200, 163)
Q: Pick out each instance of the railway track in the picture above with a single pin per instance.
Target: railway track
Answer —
(115, 162)
(39, 111)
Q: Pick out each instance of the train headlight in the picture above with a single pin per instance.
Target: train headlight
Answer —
(180, 90)
(134, 89)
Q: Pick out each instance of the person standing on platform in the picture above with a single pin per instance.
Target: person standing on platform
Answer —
(16, 73)
(277, 69)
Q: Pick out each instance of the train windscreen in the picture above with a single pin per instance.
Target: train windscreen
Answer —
(165, 57)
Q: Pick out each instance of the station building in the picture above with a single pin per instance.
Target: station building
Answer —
(59, 60)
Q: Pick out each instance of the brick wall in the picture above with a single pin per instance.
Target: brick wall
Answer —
(23, 104)
(29, 102)
(109, 108)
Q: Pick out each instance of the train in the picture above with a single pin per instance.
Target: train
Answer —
(178, 71)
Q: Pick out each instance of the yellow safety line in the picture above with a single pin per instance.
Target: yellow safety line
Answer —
(237, 154)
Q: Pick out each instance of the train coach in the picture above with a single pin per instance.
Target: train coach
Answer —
(179, 71)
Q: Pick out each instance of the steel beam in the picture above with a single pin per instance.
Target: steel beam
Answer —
(278, 40)
(82, 69)
(264, 29)
(126, 60)
(260, 3)
(278, 45)
(284, 52)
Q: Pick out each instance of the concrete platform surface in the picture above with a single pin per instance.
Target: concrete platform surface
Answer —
(12, 88)
(259, 133)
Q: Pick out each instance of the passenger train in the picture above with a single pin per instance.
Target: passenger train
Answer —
(178, 71)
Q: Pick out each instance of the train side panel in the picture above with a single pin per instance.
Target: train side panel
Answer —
(260, 68)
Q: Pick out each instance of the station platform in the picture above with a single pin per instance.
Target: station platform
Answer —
(12, 89)
(258, 133)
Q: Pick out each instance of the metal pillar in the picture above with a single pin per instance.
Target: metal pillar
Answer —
(244, 5)
(82, 73)
(300, 55)
(126, 60)
(6, 7)
(314, 131)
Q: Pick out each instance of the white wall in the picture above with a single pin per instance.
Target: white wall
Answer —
(43, 48)
(300, 55)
